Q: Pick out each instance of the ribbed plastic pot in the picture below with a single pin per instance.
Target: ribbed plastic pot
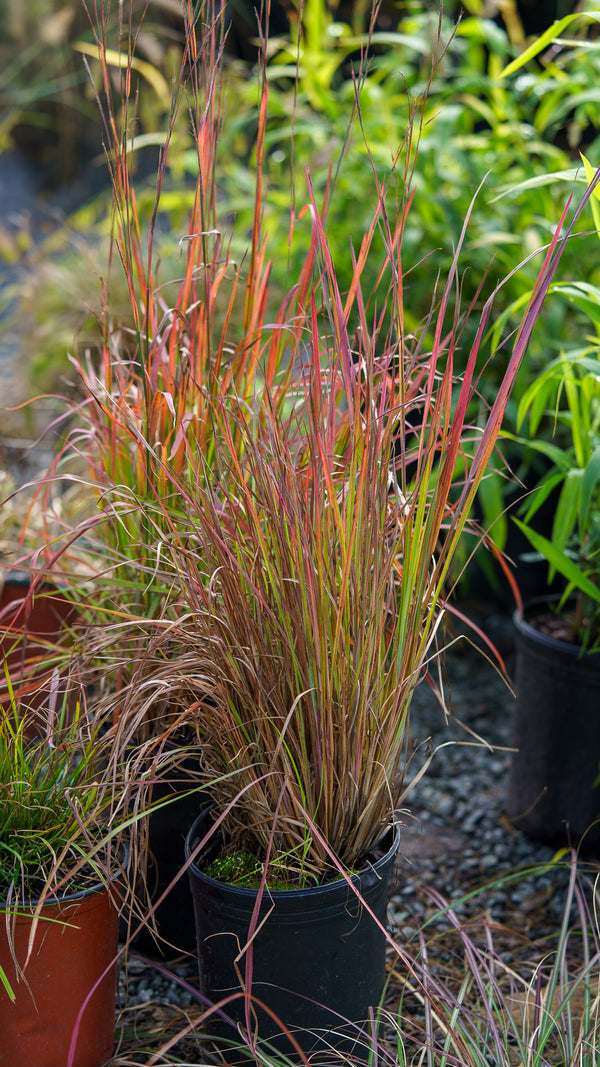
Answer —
(556, 731)
(318, 956)
(76, 940)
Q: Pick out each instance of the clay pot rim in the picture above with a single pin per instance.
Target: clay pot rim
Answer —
(57, 900)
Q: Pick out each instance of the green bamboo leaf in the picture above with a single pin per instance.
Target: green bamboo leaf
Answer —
(589, 173)
(491, 498)
(559, 457)
(535, 402)
(592, 290)
(587, 363)
(585, 297)
(577, 415)
(564, 104)
(534, 399)
(539, 181)
(541, 494)
(560, 561)
(546, 38)
(122, 61)
(568, 508)
(591, 479)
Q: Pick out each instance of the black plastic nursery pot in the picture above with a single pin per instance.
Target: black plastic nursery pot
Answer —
(551, 791)
(73, 955)
(316, 960)
(174, 916)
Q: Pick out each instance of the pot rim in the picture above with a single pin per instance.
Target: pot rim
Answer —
(19, 907)
(524, 627)
(290, 894)
(20, 577)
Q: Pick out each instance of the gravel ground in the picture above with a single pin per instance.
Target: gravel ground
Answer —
(456, 836)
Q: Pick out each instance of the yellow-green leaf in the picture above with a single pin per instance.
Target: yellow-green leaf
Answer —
(560, 561)
(546, 39)
(119, 59)
(589, 173)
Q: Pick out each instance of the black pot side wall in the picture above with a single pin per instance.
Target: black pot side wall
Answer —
(167, 827)
(318, 961)
(551, 795)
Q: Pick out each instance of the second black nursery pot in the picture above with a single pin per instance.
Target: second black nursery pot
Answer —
(317, 960)
(174, 916)
(552, 795)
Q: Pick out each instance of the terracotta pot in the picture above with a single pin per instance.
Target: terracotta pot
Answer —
(75, 943)
(27, 625)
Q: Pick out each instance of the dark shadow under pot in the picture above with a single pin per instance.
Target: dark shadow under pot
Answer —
(178, 801)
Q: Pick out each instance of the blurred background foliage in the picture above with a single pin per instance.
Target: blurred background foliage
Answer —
(341, 82)
(514, 135)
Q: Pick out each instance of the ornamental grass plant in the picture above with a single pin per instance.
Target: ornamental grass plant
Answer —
(54, 805)
(281, 499)
(60, 833)
(311, 569)
(140, 424)
(316, 575)
(522, 1010)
